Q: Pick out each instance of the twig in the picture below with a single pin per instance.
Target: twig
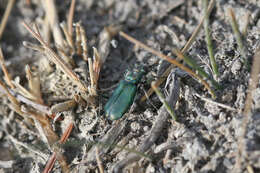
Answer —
(5, 16)
(208, 39)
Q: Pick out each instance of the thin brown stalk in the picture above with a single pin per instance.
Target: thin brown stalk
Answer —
(56, 154)
(66, 134)
(53, 19)
(34, 84)
(96, 65)
(7, 76)
(70, 17)
(5, 17)
(78, 39)
(56, 58)
(99, 162)
(167, 58)
(9, 95)
(23, 91)
(50, 163)
(184, 49)
(252, 85)
(92, 78)
(60, 107)
(68, 37)
(84, 43)
(33, 46)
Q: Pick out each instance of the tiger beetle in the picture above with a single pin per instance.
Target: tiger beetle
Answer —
(123, 96)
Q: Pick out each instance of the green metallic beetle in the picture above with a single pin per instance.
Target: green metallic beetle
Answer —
(123, 96)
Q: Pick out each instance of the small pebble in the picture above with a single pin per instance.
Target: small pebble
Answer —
(236, 66)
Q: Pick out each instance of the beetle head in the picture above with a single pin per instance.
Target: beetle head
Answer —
(134, 75)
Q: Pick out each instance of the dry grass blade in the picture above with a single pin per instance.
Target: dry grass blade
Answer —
(99, 162)
(96, 66)
(53, 20)
(235, 28)
(9, 95)
(57, 155)
(186, 47)
(66, 134)
(78, 39)
(7, 76)
(167, 58)
(33, 46)
(5, 17)
(34, 84)
(50, 163)
(252, 85)
(83, 43)
(56, 58)
(70, 17)
(65, 106)
(68, 37)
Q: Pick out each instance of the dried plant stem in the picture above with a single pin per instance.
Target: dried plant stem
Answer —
(7, 76)
(5, 17)
(208, 39)
(167, 58)
(68, 37)
(238, 36)
(252, 85)
(184, 49)
(84, 43)
(51, 12)
(9, 95)
(65, 106)
(70, 17)
(66, 134)
(163, 100)
(56, 59)
(57, 155)
(216, 103)
(78, 39)
(50, 163)
(99, 162)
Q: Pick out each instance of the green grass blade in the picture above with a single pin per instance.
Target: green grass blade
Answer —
(163, 100)
(209, 40)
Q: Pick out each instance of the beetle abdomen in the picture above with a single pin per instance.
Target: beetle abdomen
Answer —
(121, 100)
